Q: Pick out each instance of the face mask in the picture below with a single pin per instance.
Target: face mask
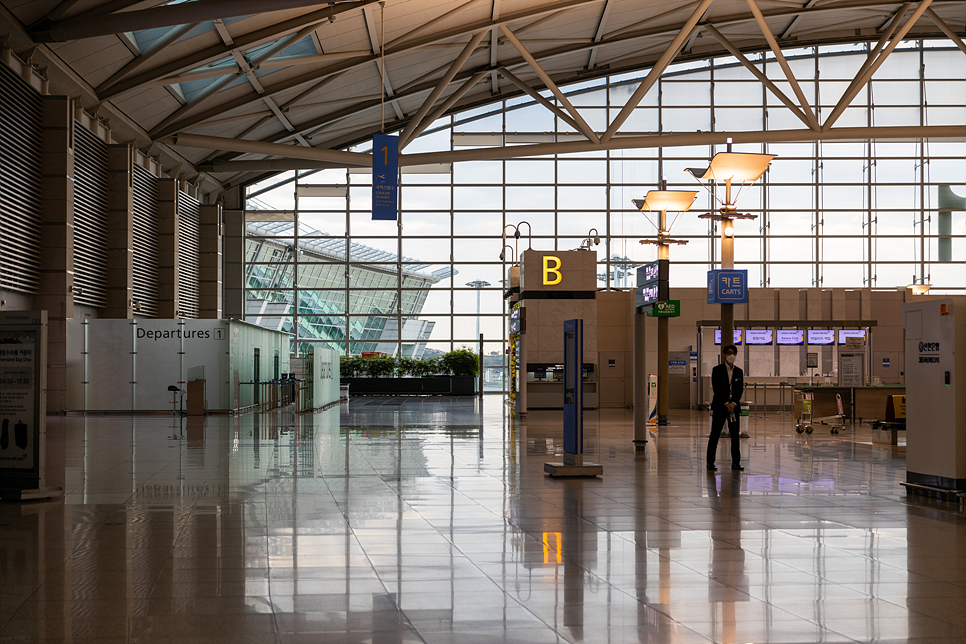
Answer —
(730, 359)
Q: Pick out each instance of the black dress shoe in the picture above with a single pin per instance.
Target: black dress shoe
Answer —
(738, 467)
(712, 468)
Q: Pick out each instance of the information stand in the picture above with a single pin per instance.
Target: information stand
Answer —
(573, 407)
(23, 406)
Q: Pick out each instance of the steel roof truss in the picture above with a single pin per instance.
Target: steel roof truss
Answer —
(794, 23)
(218, 52)
(775, 49)
(91, 26)
(380, 62)
(212, 89)
(139, 61)
(554, 7)
(734, 51)
(441, 86)
(429, 24)
(494, 46)
(540, 99)
(945, 29)
(548, 82)
(876, 57)
(652, 77)
(448, 103)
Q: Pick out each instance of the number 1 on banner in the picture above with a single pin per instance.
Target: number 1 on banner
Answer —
(385, 177)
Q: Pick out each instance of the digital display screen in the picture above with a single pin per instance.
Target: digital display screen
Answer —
(758, 336)
(791, 337)
(648, 294)
(850, 333)
(651, 272)
(821, 336)
(717, 336)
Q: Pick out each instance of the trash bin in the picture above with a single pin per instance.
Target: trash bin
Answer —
(742, 422)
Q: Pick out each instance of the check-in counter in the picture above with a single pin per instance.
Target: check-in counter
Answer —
(545, 387)
(869, 403)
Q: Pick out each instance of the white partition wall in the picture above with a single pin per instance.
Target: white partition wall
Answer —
(128, 365)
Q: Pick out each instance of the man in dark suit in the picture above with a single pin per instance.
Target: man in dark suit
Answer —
(727, 384)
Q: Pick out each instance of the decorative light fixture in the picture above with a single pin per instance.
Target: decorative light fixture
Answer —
(592, 239)
(661, 201)
(728, 167)
(503, 253)
(919, 289)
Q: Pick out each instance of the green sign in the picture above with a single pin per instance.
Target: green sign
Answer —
(669, 309)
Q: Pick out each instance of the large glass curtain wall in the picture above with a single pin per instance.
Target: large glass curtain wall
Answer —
(837, 214)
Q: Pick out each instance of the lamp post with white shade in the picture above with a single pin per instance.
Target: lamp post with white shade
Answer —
(729, 167)
(657, 201)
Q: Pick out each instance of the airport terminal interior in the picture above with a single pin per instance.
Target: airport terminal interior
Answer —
(394, 321)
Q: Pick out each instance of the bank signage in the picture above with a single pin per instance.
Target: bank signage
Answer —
(728, 287)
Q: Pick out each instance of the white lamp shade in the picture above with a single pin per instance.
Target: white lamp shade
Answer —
(673, 200)
(736, 166)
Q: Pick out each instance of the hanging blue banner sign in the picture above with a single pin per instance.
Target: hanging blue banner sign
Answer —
(385, 177)
(728, 287)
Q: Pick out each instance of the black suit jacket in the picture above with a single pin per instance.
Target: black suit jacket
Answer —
(725, 393)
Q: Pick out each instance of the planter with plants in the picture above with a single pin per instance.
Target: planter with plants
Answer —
(452, 374)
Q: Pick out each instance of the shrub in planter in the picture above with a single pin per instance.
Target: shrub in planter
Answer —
(461, 362)
(426, 367)
(350, 366)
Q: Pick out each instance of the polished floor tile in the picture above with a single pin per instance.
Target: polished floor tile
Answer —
(429, 520)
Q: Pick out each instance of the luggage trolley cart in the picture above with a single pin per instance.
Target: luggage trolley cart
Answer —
(806, 424)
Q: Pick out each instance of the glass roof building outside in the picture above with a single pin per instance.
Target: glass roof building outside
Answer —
(315, 304)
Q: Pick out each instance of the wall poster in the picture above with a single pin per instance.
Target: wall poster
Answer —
(23, 387)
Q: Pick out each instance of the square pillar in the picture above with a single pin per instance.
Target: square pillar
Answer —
(234, 244)
(210, 271)
(57, 241)
(120, 235)
(168, 287)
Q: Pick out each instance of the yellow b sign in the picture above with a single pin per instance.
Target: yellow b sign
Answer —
(553, 271)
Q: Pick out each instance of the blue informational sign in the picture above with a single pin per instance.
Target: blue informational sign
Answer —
(573, 415)
(728, 287)
(385, 177)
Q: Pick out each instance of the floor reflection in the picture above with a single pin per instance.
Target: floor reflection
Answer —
(430, 520)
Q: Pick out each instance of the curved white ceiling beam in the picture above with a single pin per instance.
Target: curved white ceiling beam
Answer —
(658, 32)
(220, 51)
(91, 26)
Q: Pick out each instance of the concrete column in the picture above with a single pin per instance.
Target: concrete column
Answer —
(168, 287)
(120, 232)
(57, 241)
(210, 273)
(640, 382)
(234, 245)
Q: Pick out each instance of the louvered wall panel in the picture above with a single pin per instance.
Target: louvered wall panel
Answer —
(90, 218)
(146, 234)
(189, 256)
(20, 183)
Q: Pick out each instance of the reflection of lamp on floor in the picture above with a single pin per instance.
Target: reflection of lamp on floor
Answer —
(660, 201)
(728, 167)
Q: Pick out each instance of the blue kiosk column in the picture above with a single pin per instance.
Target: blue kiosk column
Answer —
(573, 407)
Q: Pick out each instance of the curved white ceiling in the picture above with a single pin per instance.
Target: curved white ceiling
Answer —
(310, 74)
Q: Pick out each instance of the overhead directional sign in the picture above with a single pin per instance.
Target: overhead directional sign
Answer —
(652, 283)
(728, 287)
(385, 177)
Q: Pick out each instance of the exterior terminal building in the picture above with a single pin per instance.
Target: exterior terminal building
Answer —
(204, 197)
(270, 268)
